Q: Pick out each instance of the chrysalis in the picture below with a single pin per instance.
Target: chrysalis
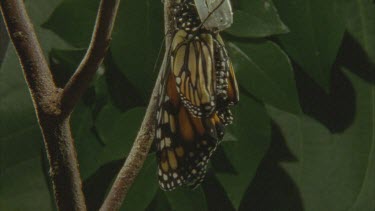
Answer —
(215, 14)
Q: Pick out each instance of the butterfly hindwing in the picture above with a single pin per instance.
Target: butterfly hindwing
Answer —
(184, 142)
(227, 84)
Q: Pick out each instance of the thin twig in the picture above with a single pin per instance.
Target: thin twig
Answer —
(143, 141)
(85, 72)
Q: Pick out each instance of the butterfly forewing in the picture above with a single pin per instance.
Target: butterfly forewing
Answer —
(193, 68)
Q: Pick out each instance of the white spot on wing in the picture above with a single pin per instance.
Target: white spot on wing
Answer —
(165, 177)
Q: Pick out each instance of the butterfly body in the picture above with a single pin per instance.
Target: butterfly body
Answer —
(197, 89)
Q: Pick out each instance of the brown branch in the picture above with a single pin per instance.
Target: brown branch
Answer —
(52, 104)
(100, 40)
(56, 130)
(24, 39)
(135, 159)
(143, 141)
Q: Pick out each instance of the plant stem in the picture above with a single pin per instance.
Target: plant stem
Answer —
(143, 141)
(53, 105)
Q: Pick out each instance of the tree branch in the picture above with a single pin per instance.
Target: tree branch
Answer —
(35, 66)
(53, 105)
(143, 141)
(85, 72)
(56, 130)
(136, 157)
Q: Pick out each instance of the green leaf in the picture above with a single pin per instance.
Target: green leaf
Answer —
(137, 39)
(118, 131)
(122, 93)
(252, 129)
(187, 200)
(20, 137)
(101, 91)
(24, 187)
(4, 41)
(361, 24)
(64, 63)
(316, 30)
(160, 202)
(20, 144)
(105, 122)
(331, 168)
(144, 188)
(87, 144)
(256, 18)
(264, 70)
(138, 31)
(74, 21)
(39, 11)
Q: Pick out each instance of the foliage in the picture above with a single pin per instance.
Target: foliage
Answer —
(303, 137)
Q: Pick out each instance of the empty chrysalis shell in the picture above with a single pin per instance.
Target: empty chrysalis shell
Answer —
(215, 14)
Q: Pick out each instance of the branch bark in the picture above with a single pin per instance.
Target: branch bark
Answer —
(24, 39)
(100, 40)
(56, 132)
(143, 141)
(52, 104)
(136, 157)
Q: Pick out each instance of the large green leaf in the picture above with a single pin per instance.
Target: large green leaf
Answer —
(316, 31)
(160, 202)
(20, 144)
(118, 131)
(74, 21)
(252, 129)
(256, 18)
(331, 168)
(87, 144)
(19, 132)
(144, 188)
(138, 31)
(137, 39)
(4, 40)
(264, 70)
(24, 187)
(361, 24)
(39, 11)
(187, 200)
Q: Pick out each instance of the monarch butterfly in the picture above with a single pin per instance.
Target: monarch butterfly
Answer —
(197, 89)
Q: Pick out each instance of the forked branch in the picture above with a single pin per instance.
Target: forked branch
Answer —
(100, 40)
(52, 104)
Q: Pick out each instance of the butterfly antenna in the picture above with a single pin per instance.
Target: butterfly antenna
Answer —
(160, 51)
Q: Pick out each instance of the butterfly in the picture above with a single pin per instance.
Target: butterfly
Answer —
(197, 90)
